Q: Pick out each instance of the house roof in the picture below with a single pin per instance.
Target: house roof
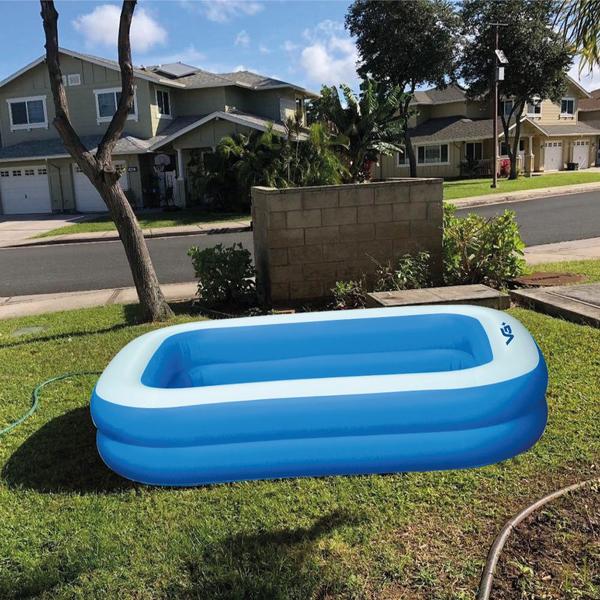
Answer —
(451, 93)
(54, 148)
(452, 129)
(593, 103)
(579, 128)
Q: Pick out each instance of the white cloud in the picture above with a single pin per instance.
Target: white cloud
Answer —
(263, 49)
(242, 39)
(330, 56)
(590, 81)
(221, 11)
(289, 46)
(189, 56)
(100, 28)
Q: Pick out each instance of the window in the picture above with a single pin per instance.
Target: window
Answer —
(4, 173)
(567, 107)
(163, 100)
(16, 173)
(534, 110)
(504, 147)
(29, 172)
(433, 154)
(401, 156)
(474, 150)
(74, 79)
(42, 171)
(27, 113)
(107, 102)
(506, 107)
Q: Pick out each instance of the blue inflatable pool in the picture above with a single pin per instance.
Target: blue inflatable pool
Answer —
(365, 391)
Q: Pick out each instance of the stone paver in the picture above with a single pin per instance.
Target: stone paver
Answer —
(478, 294)
(21, 306)
(563, 251)
(579, 303)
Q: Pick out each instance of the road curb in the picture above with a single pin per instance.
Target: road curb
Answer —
(148, 234)
(493, 199)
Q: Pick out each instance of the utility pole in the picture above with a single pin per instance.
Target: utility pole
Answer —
(499, 59)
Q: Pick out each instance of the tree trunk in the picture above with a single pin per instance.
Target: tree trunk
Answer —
(412, 159)
(515, 149)
(100, 169)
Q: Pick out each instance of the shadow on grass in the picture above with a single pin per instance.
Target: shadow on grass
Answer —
(62, 457)
(272, 564)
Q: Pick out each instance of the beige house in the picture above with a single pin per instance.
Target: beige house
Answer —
(453, 135)
(178, 109)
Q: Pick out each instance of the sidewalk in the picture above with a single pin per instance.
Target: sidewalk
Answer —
(520, 196)
(23, 306)
(107, 236)
(563, 251)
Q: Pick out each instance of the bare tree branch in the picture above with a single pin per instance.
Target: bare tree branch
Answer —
(117, 124)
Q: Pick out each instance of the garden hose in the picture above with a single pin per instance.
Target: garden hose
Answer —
(35, 397)
(485, 584)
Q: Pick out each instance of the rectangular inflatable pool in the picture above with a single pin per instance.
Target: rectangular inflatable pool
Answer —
(366, 391)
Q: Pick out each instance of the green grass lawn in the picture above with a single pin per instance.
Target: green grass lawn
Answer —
(69, 528)
(454, 190)
(589, 268)
(150, 220)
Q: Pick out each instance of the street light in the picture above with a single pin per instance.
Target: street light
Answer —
(500, 61)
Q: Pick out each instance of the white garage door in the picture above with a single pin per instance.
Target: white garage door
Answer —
(25, 190)
(553, 156)
(87, 198)
(581, 153)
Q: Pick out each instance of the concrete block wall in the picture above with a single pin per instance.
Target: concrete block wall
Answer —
(306, 239)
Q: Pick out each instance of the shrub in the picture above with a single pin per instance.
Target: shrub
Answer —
(225, 275)
(349, 294)
(409, 272)
(479, 250)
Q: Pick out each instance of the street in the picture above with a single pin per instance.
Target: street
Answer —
(88, 266)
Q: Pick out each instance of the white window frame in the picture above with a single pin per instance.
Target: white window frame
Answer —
(473, 144)
(430, 146)
(503, 103)
(404, 154)
(534, 114)
(74, 79)
(160, 114)
(567, 114)
(27, 126)
(130, 117)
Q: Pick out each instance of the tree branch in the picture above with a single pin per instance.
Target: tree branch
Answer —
(61, 120)
(117, 124)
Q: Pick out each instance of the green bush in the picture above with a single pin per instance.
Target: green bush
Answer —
(225, 275)
(479, 250)
(409, 272)
(349, 294)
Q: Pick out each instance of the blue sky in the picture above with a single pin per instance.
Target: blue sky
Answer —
(300, 41)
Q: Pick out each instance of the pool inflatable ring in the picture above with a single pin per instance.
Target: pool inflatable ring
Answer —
(330, 393)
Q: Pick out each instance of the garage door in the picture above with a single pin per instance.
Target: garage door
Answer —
(25, 190)
(87, 198)
(553, 156)
(581, 153)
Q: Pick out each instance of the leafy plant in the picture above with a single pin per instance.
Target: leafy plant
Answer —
(225, 275)
(479, 250)
(409, 272)
(349, 294)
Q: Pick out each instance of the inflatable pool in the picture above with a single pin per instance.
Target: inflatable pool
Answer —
(345, 392)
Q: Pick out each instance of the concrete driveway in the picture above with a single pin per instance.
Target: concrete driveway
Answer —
(21, 227)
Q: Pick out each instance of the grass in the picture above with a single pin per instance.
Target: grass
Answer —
(454, 190)
(149, 220)
(69, 528)
(589, 268)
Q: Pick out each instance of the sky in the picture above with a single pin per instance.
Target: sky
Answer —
(300, 41)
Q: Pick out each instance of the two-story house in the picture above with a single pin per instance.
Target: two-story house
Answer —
(449, 131)
(177, 109)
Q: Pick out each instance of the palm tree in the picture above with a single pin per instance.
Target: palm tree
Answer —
(370, 123)
(580, 22)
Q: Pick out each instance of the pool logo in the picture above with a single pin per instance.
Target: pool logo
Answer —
(506, 331)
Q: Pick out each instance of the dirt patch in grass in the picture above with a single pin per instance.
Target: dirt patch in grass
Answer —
(555, 553)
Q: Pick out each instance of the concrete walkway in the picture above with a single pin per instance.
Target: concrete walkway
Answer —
(23, 306)
(17, 229)
(105, 236)
(563, 251)
(501, 197)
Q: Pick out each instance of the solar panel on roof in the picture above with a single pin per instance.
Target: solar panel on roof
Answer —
(176, 69)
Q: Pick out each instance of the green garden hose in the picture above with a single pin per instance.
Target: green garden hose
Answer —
(35, 397)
